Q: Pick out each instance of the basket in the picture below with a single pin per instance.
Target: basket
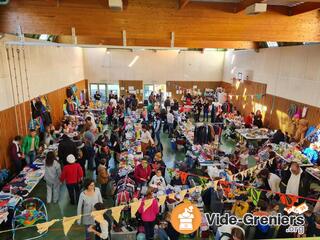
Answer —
(123, 235)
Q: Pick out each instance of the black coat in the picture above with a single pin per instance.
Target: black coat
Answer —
(66, 147)
(304, 185)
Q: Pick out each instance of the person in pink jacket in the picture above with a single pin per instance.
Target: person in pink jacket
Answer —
(149, 214)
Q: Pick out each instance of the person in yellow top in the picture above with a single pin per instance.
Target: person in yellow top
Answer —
(240, 207)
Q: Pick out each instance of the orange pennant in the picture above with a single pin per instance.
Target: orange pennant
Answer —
(184, 176)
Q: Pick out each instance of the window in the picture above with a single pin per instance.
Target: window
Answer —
(147, 90)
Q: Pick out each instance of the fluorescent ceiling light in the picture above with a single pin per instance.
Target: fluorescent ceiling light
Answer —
(133, 61)
(44, 37)
(272, 44)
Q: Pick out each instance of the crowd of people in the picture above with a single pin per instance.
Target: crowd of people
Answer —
(89, 154)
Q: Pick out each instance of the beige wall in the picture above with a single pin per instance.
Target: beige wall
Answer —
(152, 67)
(289, 72)
(48, 69)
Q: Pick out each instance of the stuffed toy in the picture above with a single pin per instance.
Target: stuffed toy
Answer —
(301, 130)
(293, 125)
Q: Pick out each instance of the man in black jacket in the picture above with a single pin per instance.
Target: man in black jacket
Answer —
(296, 180)
(66, 147)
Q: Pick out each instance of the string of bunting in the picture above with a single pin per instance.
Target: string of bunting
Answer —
(258, 96)
(287, 199)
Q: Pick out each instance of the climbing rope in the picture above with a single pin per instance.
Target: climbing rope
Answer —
(22, 91)
(16, 81)
(12, 90)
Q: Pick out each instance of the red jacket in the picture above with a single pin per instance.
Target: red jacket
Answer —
(150, 214)
(248, 120)
(140, 172)
(71, 173)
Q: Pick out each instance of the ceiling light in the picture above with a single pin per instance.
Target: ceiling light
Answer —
(272, 44)
(133, 61)
(44, 37)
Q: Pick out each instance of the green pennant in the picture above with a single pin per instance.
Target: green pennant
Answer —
(255, 195)
(203, 181)
(170, 172)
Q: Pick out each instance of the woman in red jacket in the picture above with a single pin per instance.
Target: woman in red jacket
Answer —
(149, 212)
(72, 174)
(142, 173)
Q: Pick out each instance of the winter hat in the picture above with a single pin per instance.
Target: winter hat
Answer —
(71, 159)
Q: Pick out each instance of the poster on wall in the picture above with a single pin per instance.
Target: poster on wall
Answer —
(195, 86)
(130, 88)
(132, 91)
(122, 89)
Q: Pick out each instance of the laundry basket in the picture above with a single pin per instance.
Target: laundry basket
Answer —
(123, 235)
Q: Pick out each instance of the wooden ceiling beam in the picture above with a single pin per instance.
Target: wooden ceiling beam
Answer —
(96, 40)
(154, 19)
(303, 8)
(183, 3)
(245, 3)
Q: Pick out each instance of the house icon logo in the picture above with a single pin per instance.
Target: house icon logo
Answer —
(186, 218)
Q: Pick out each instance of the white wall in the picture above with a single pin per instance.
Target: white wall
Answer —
(152, 67)
(289, 72)
(48, 69)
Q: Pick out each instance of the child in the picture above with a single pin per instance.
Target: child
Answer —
(103, 176)
(157, 181)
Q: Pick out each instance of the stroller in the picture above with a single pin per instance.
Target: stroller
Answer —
(29, 212)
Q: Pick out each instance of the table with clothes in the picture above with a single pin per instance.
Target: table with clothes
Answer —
(291, 153)
(257, 134)
(236, 121)
(20, 187)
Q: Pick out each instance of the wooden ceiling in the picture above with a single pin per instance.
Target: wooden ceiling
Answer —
(150, 22)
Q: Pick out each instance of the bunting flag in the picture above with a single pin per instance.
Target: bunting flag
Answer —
(203, 181)
(172, 195)
(255, 195)
(288, 200)
(183, 177)
(183, 194)
(134, 206)
(98, 215)
(191, 190)
(162, 199)
(43, 227)
(116, 212)
(67, 222)
(215, 185)
(170, 172)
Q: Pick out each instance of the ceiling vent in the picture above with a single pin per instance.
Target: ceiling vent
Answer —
(256, 8)
(116, 5)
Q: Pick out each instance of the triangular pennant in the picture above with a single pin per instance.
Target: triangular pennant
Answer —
(183, 177)
(255, 195)
(67, 222)
(183, 194)
(98, 215)
(191, 190)
(147, 204)
(215, 185)
(43, 227)
(134, 206)
(116, 212)
(203, 181)
(172, 195)
(162, 199)
(170, 172)
(288, 200)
